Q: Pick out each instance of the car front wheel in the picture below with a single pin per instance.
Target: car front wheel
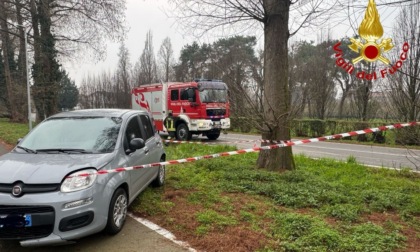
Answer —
(117, 212)
(160, 178)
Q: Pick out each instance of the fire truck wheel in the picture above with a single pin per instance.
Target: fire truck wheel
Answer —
(213, 135)
(183, 133)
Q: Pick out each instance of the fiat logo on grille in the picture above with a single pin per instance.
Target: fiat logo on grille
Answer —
(17, 190)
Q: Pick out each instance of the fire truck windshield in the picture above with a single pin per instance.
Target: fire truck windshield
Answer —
(213, 95)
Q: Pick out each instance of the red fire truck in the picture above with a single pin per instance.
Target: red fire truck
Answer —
(198, 107)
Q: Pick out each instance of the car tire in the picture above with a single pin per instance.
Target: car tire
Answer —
(117, 212)
(160, 177)
(183, 133)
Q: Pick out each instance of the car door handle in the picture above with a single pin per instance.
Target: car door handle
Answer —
(146, 150)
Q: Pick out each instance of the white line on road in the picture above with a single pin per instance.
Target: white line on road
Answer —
(350, 150)
(160, 230)
(366, 152)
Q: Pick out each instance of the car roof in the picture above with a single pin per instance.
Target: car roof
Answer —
(97, 113)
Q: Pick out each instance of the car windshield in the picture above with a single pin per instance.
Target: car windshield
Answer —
(213, 95)
(74, 134)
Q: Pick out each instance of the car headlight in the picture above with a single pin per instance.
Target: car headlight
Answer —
(76, 182)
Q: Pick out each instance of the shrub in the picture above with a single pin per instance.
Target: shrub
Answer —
(408, 136)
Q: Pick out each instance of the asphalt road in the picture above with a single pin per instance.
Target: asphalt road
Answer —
(364, 154)
(134, 237)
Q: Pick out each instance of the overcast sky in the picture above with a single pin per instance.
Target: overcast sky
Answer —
(144, 15)
(141, 16)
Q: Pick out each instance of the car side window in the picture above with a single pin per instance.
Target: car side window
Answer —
(133, 129)
(184, 94)
(147, 126)
(174, 95)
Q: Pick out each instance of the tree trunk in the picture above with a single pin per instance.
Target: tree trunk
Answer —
(366, 96)
(22, 70)
(46, 68)
(341, 105)
(22, 54)
(276, 88)
(12, 91)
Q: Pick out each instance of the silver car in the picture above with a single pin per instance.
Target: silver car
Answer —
(44, 202)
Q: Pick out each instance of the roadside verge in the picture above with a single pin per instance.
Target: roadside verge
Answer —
(4, 148)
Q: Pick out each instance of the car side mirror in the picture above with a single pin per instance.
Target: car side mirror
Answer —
(136, 144)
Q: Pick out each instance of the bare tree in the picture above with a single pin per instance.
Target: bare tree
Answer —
(312, 78)
(81, 25)
(14, 72)
(146, 66)
(362, 91)
(101, 91)
(166, 60)
(258, 76)
(344, 80)
(123, 78)
(273, 15)
(299, 76)
(108, 89)
(56, 29)
(405, 86)
(322, 89)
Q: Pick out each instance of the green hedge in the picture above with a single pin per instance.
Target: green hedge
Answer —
(408, 136)
(317, 128)
(241, 124)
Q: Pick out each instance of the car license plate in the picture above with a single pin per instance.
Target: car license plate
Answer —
(217, 125)
(28, 220)
(15, 221)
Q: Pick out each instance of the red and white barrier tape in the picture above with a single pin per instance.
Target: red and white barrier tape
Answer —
(212, 143)
(186, 142)
(257, 149)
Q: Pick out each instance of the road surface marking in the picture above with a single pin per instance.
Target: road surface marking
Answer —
(366, 152)
(163, 232)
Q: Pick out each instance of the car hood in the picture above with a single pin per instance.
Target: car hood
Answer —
(45, 168)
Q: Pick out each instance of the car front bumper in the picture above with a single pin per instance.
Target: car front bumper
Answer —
(55, 217)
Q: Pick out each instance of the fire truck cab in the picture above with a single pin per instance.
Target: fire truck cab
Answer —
(198, 107)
